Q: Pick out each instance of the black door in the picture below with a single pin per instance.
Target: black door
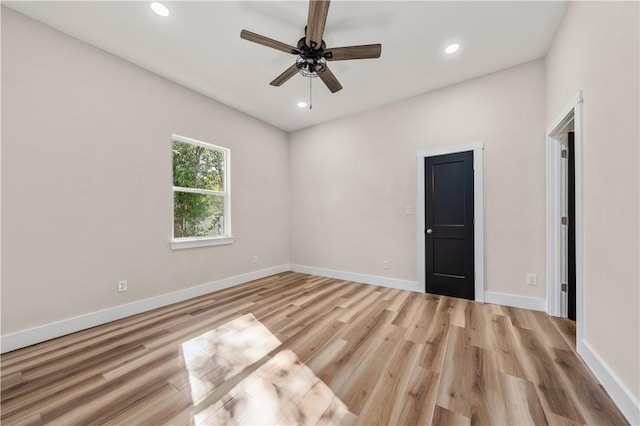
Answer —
(571, 231)
(449, 225)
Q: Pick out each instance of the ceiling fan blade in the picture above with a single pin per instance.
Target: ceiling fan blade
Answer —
(318, 10)
(286, 75)
(330, 80)
(364, 51)
(266, 41)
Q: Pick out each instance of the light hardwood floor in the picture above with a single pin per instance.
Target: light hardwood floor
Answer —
(295, 348)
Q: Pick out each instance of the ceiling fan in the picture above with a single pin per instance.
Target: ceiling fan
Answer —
(312, 51)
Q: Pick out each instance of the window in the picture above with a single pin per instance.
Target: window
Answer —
(200, 194)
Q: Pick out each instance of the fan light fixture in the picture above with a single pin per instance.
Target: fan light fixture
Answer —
(312, 54)
(302, 104)
(451, 48)
(160, 8)
(310, 66)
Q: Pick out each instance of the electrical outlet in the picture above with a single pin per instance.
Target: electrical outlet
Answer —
(122, 286)
(407, 210)
(255, 259)
(532, 279)
(385, 264)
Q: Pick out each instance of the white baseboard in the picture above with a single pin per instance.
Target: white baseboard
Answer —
(359, 278)
(524, 302)
(623, 398)
(45, 332)
(533, 303)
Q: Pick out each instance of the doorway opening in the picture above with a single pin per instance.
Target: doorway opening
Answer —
(565, 278)
(566, 136)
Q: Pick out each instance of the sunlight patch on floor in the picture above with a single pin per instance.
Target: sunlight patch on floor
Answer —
(281, 391)
(224, 352)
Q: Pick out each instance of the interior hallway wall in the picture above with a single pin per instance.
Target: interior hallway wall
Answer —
(597, 50)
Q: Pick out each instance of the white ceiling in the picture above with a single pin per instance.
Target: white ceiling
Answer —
(199, 46)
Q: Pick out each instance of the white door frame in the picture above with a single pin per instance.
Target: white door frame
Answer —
(573, 110)
(478, 212)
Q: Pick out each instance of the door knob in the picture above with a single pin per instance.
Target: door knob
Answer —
(429, 231)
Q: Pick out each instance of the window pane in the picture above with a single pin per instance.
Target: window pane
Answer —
(197, 215)
(195, 166)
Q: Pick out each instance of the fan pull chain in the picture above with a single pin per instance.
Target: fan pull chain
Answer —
(310, 94)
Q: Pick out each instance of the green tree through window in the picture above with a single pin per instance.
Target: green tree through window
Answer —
(199, 189)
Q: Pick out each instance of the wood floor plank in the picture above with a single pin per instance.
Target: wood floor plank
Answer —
(398, 300)
(29, 420)
(92, 355)
(444, 417)
(11, 379)
(27, 396)
(419, 399)
(327, 355)
(364, 375)
(478, 319)
(338, 372)
(506, 346)
(523, 405)
(111, 396)
(323, 303)
(455, 389)
(358, 354)
(391, 386)
(557, 420)
(327, 287)
(487, 392)
(138, 412)
(594, 404)
(408, 312)
(418, 326)
(435, 344)
(446, 304)
(519, 317)
(17, 411)
(352, 310)
(548, 334)
(458, 313)
(540, 369)
(567, 330)
(312, 338)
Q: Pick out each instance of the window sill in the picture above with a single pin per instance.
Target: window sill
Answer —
(185, 243)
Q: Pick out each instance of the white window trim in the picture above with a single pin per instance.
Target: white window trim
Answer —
(199, 191)
(192, 242)
(185, 243)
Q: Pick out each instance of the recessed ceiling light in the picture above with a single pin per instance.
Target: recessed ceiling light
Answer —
(451, 48)
(302, 104)
(160, 8)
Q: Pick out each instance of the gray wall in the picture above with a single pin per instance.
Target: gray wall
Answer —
(352, 178)
(86, 180)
